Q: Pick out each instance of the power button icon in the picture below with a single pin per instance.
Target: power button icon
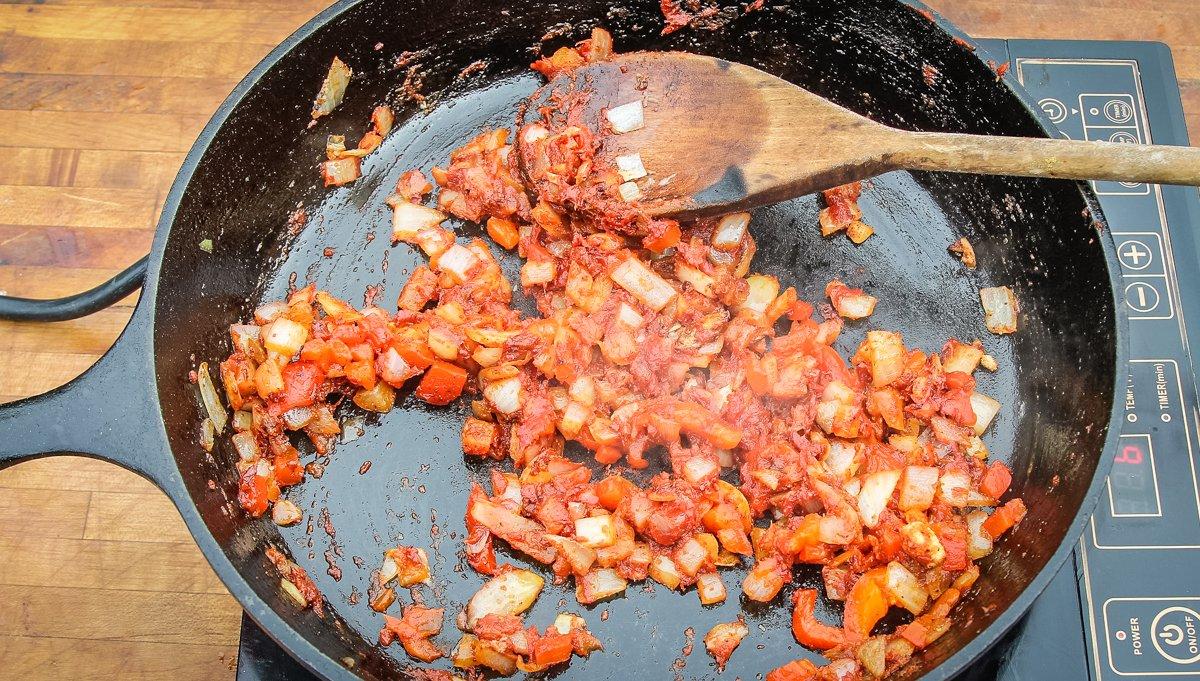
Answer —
(1175, 633)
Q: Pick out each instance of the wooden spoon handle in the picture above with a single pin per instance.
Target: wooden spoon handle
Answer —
(1058, 158)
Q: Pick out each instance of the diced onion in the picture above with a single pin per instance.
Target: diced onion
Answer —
(856, 306)
(538, 272)
(763, 290)
(629, 316)
(664, 571)
(904, 589)
(504, 396)
(953, 488)
(710, 588)
(698, 469)
(598, 584)
(509, 593)
(458, 260)
(297, 418)
(839, 461)
(242, 420)
(876, 491)
(573, 419)
(999, 309)
(985, 409)
(630, 167)
(691, 556)
(885, 352)
(293, 593)
(285, 337)
(629, 191)
(626, 117)
(333, 88)
(918, 487)
(730, 231)
(286, 513)
(208, 436)
(212, 400)
(408, 219)
(652, 290)
(269, 312)
(979, 542)
(702, 282)
(596, 532)
(246, 446)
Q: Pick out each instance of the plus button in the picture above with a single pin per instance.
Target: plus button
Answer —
(1134, 255)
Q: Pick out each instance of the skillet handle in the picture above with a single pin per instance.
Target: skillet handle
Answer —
(108, 412)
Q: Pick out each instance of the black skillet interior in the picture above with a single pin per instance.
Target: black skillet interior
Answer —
(1056, 375)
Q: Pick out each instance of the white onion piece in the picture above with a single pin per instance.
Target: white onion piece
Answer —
(286, 513)
(979, 543)
(626, 117)
(953, 488)
(725, 458)
(509, 593)
(285, 337)
(458, 260)
(599, 583)
(596, 532)
(696, 470)
(536, 272)
(763, 290)
(246, 446)
(629, 191)
(629, 316)
(856, 306)
(652, 290)
(985, 409)
(504, 396)
(212, 400)
(905, 589)
(388, 570)
(702, 282)
(353, 428)
(839, 461)
(208, 436)
(297, 418)
(999, 309)
(730, 231)
(876, 491)
(918, 487)
(409, 218)
(630, 167)
(664, 571)
(269, 312)
(573, 419)
(691, 556)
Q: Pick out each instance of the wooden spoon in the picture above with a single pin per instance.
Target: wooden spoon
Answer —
(720, 137)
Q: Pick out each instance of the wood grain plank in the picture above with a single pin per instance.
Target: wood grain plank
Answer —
(43, 513)
(88, 130)
(54, 659)
(54, 282)
(28, 245)
(125, 516)
(92, 337)
(78, 473)
(89, 564)
(116, 615)
(150, 23)
(124, 94)
(137, 57)
(124, 209)
(35, 372)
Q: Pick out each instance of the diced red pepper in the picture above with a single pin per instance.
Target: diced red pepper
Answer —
(1003, 518)
(442, 383)
(805, 626)
(996, 480)
(301, 385)
(553, 649)
(669, 236)
(288, 470)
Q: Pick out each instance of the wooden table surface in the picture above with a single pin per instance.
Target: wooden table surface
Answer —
(99, 102)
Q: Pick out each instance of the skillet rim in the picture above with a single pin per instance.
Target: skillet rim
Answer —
(325, 666)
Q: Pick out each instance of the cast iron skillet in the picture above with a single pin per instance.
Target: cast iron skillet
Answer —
(255, 162)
